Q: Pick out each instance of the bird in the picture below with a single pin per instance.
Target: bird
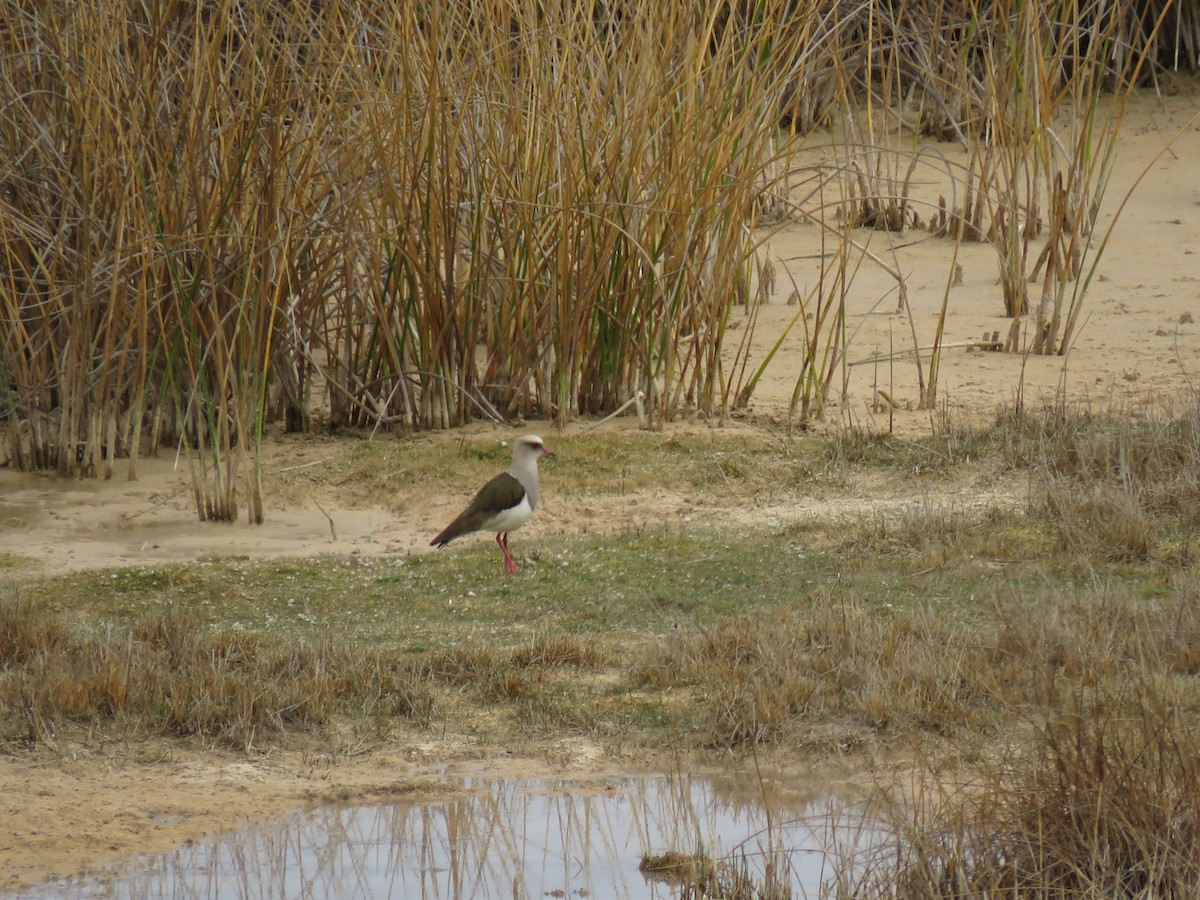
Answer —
(505, 503)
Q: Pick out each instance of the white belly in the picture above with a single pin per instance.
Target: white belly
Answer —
(510, 519)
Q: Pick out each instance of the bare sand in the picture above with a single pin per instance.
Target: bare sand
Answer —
(1138, 344)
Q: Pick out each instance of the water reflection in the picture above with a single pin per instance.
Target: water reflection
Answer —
(506, 838)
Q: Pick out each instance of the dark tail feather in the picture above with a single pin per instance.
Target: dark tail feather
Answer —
(464, 524)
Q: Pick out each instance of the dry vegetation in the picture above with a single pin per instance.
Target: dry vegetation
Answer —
(165, 674)
(1101, 799)
(383, 214)
(219, 215)
(222, 215)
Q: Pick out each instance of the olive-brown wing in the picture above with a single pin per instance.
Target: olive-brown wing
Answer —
(501, 493)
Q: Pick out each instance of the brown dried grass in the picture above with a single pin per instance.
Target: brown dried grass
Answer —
(168, 675)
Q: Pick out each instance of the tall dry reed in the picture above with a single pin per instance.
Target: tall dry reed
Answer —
(371, 214)
(219, 215)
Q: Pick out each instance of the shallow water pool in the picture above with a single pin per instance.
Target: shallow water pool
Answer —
(510, 838)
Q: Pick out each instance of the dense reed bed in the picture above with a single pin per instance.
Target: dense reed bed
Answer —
(217, 215)
(221, 215)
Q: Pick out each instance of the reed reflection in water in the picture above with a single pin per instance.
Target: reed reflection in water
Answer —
(506, 838)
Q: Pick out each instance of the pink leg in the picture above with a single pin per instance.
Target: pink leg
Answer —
(509, 565)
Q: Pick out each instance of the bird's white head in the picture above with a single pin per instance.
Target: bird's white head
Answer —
(530, 446)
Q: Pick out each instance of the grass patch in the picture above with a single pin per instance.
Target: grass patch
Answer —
(1102, 801)
(167, 674)
(12, 562)
(360, 472)
(716, 639)
(789, 676)
(749, 622)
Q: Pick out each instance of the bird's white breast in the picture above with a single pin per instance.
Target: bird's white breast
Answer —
(510, 519)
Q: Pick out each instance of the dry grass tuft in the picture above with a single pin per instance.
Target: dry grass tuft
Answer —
(509, 674)
(761, 676)
(168, 675)
(1104, 521)
(694, 874)
(1104, 802)
(932, 535)
(1111, 485)
(1105, 633)
(1153, 457)
(1099, 793)
(548, 651)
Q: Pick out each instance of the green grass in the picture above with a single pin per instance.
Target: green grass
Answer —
(579, 640)
(12, 562)
(630, 585)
